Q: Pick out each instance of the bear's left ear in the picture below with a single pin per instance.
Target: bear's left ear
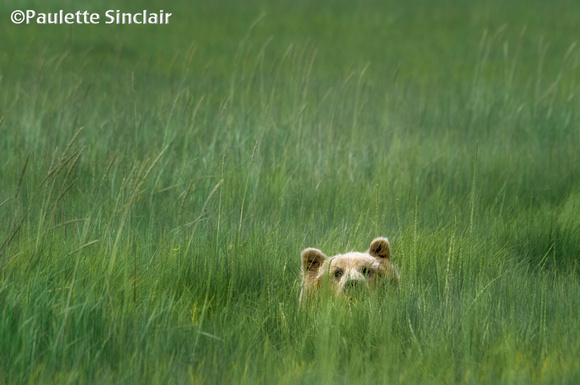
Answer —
(380, 248)
(312, 259)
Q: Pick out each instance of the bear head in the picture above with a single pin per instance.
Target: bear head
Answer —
(346, 273)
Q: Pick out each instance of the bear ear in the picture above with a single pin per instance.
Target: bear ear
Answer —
(312, 259)
(380, 248)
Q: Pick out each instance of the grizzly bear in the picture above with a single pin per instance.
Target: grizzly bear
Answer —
(346, 273)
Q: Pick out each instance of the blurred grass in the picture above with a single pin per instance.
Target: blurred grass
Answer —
(158, 183)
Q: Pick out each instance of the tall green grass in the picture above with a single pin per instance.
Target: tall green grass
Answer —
(152, 216)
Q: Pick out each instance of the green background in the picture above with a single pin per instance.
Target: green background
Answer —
(158, 182)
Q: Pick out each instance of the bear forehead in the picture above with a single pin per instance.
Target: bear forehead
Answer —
(353, 260)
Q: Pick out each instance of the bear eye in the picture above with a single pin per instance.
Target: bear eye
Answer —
(366, 271)
(338, 273)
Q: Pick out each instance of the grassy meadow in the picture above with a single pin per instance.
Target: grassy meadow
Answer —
(157, 184)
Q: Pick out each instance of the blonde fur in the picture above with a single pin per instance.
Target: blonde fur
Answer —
(346, 271)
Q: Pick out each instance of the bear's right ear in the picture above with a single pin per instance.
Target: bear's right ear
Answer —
(312, 259)
(380, 248)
